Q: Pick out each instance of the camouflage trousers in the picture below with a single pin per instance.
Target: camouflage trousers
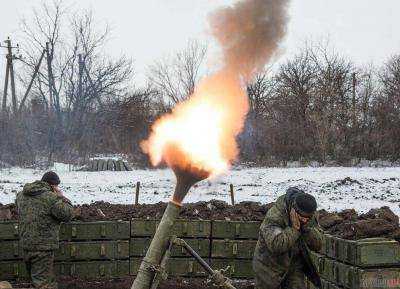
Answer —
(40, 267)
(294, 279)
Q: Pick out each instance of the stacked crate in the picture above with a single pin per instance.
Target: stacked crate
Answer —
(11, 264)
(196, 233)
(369, 263)
(232, 247)
(116, 249)
(87, 250)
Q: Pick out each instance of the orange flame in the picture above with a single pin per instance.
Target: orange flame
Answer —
(200, 134)
(201, 131)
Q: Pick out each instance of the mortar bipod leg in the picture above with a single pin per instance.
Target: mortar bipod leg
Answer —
(162, 273)
(216, 276)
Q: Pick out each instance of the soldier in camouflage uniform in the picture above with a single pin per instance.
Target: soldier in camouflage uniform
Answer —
(41, 208)
(289, 230)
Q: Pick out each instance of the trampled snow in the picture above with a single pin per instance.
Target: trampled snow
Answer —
(335, 188)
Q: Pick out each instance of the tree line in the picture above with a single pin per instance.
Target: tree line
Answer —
(317, 105)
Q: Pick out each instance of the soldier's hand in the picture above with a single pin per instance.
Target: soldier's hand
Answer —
(77, 212)
(294, 218)
(57, 190)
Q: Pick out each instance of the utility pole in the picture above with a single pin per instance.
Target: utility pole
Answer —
(9, 77)
(4, 105)
(35, 72)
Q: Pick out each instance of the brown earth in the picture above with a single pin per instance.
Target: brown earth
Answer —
(347, 224)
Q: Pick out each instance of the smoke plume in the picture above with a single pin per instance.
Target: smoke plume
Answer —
(201, 132)
(249, 33)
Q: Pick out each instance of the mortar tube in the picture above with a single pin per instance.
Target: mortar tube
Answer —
(158, 247)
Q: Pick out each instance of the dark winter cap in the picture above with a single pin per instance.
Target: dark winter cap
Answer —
(51, 178)
(305, 204)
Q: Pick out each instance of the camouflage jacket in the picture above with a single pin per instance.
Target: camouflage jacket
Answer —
(40, 213)
(280, 248)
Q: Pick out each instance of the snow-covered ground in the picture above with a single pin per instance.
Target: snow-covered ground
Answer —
(335, 188)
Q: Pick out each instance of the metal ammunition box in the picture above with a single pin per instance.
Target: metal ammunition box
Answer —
(10, 250)
(106, 250)
(96, 269)
(12, 270)
(331, 246)
(182, 228)
(139, 246)
(235, 230)
(352, 277)
(241, 269)
(369, 252)
(118, 230)
(233, 249)
(183, 267)
(9, 230)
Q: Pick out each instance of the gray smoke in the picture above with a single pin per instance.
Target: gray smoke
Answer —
(249, 33)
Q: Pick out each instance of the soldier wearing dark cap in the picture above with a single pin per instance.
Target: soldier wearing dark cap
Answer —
(281, 259)
(41, 208)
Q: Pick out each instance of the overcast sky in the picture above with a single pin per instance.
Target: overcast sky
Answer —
(367, 31)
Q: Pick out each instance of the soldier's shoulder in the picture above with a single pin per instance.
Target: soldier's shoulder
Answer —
(50, 195)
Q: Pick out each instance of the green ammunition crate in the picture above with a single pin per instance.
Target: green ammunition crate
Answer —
(176, 267)
(9, 231)
(365, 253)
(139, 246)
(357, 278)
(96, 269)
(106, 250)
(182, 228)
(118, 230)
(241, 269)
(10, 250)
(235, 230)
(331, 246)
(12, 270)
(233, 249)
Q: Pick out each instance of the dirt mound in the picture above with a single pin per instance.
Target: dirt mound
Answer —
(213, 210)
(349, 225)
(126, 283)
(346, 224)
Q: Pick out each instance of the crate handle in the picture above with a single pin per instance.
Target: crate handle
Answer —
(191, 267)
(103, 230)
(201, 226)
(16, 250)
(237, 230)
(73, 231)
(73, 251)
(16, 270)
(102, 270)
(185, 228)
(235, 249)
(321, 265)
(102, 250)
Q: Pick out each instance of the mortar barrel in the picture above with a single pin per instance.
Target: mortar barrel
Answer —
(157, 249)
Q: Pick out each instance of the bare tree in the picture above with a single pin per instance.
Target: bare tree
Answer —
(77, 78)
(176, 78)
